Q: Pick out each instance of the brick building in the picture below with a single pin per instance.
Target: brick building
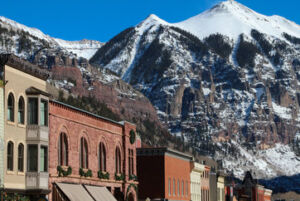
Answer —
(205, 184)
(250, 190)
(88, 151)
(164, 174)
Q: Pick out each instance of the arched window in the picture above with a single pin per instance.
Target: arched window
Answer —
(21, 157)
(174, 187)
(10, 156)
(102, 157)
(63, 149)
(178, 187)
(10, 107)
(83, 153)
(21, 111)
(118, 161)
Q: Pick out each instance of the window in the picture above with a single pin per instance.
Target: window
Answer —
(130, 160)
(21, 111)
(218, 194)
(44, 113)
(187, 188)
(44, 159)
(118, 161)
(102, 157)
(178, 187)
(10, 156)
(32, 111)
(10, 107)
(83, 153)
(182, 186)
(169, 186)
(21, 158)
(63, 150)
(174, 187)
(32, 158)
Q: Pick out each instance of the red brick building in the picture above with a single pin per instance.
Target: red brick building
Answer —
(163, 174)
(87, 149)
(250, 190)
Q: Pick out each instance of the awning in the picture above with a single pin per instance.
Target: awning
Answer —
(100, 193)
(75, 192)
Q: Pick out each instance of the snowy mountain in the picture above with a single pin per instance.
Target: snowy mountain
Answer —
(231, 19)
(225, 81)
(29, 42)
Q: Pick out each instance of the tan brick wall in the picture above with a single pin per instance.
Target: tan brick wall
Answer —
(1, 135)
(17, 83)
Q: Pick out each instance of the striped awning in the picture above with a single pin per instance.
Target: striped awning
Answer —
(100, 193)
(80, 192)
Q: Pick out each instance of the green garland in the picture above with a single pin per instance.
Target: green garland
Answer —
(119, 177)
(132, 136)
(128, 188)
(62, 172)
(88, 173)
(133, 177)
(103, 175)
(14, 196)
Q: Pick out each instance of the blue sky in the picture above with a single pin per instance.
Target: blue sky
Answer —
(101, 20)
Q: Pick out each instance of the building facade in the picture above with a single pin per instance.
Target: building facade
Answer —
(164, 174)
(196, 175)
(88, 151)
(25, 128)
(205, 184)
(220, 187)
(2, 124)
(250, 190)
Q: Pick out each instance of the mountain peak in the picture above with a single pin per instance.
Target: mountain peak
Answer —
(231, 18)
(151, 20)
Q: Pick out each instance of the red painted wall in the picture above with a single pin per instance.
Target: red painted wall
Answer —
(178, 169)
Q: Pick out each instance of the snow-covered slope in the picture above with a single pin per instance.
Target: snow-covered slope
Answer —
(234, 79)
(231, 18)
(82, 48)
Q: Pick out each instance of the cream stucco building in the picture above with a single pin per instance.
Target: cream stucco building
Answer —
(196, 176)
(221, 187)
(25, 127)
(1, 130)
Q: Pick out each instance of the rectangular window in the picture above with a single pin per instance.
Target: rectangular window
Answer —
(182, 186)
(187, 188)
(44, 113)
(178, 187)
(130, 161)
(32, 158)
(44, 159)
(169, 186)
(32, 110)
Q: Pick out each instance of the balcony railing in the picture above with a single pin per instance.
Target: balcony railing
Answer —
(37, 180)
(37, 133)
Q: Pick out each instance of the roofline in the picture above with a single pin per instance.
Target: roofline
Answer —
(169, 150)
(86, 112)
(15, 62)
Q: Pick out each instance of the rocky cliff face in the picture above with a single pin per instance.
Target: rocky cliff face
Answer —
(228, 94)
(67, 62)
